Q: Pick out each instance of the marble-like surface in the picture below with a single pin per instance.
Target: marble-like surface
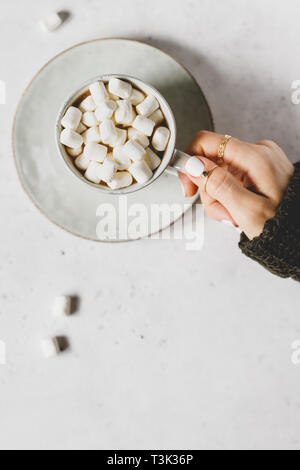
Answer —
(170, 348)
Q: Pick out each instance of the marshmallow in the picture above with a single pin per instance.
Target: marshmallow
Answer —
(134, 150)
(88, 104)
(161, 138)
(120, 139)
(89, 119)
(152, 160)
(91, 135)
(120, 88)
(71, 139)
(108, 131)
(140, 138)
(136, 97)
(113, 97)
(94, 172)
(148, 106)
(52, 22)
(124, 152)
(82, 162)
(157, 117)
(50, 347)
(72, 118)
(141, 172)
(98, 92)
(81, 128)
(125, 113)
(75, 152)
(105, 110)
(122, 179)
(144, 125)
(120, 158)
(95, 152)
(109, 169)
(62, 306)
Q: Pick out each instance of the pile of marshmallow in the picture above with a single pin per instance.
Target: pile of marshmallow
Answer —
(115, 135)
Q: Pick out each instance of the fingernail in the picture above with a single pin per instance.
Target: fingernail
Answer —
(194, 167)
(230, 224)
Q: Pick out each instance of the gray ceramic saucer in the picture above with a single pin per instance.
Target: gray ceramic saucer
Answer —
(60, 195)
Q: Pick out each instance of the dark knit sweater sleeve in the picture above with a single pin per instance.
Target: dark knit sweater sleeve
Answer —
(278, 247)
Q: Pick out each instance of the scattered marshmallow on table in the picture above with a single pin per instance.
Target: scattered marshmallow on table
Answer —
(94, 172)
(141, 172)
(144, 125)
(50, 347)
(161, 138)
(98, 92)
(136, 135)
(51, 22)
(120, 88)
(75, 152)
(148, 106)
(136, 97)
(95, 152)
(62, 306)
(71, 118)
(71, 139)
(125, 113)
(88, 104)
(105, 110)
(108, 131)
(122, 179)
(134, 150)
(89, 119)
(152, 160)
(91, 135)
(82, 162)
(109, 169)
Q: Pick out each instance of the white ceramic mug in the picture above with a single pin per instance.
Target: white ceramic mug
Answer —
(173, 160)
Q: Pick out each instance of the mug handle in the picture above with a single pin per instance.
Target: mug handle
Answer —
(178, 163)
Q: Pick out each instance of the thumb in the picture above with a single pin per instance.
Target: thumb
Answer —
(221, 186)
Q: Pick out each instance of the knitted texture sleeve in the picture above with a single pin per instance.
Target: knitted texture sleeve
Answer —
(278, 247)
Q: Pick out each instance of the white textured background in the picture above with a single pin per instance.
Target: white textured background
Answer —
(170, 349)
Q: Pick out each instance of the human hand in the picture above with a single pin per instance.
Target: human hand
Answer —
(247, 189)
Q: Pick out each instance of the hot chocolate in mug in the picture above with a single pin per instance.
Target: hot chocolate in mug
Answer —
(173, 160)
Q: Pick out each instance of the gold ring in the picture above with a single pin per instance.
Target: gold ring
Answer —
(208, 174)
(221, 151)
